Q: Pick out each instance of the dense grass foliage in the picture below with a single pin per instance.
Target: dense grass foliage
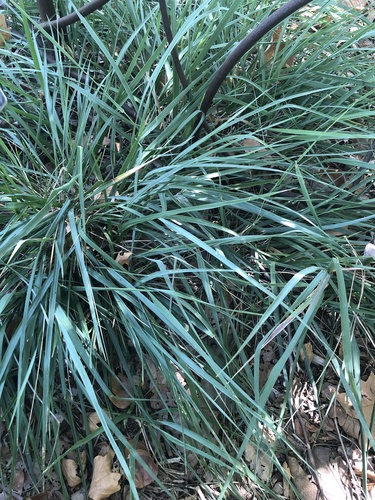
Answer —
(249, 237)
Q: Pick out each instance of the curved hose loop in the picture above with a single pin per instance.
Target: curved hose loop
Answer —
(63, 22)
(244, 46)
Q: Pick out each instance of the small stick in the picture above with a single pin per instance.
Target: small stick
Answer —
(176, 60)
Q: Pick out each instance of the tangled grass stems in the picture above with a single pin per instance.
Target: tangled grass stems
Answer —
(249, 238)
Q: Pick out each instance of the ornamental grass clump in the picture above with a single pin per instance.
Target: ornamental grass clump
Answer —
(161, 288)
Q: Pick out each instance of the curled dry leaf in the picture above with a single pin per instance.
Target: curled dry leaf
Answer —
(4, 30)
(107, 142)
(142, 477)
(252, 143)
(307, 352)
(121, 394)
(104, 482)
(93, 421)
(103, 195)
(123, 258)
(350, 425)
(70, 468)
(70, 471)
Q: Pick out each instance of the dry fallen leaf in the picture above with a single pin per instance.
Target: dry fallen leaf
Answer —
(307, 352)
(356, 4)
(93, 421)
(107, 142)
(252, 143)
(259, 462)
(142, 477)
(264, 373)
(371, 491)
(70, 469)
(371, 14)
(332, 474)
(19, 480)
(121, 394)
(349, 425)
(286, 487)
(103, 195)
(104, 482)
(357, 465)
(4, 30)
(161, 392)
(79, 495)
(275, 46)
(368, 402)
(123, 258)
(302, 481)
